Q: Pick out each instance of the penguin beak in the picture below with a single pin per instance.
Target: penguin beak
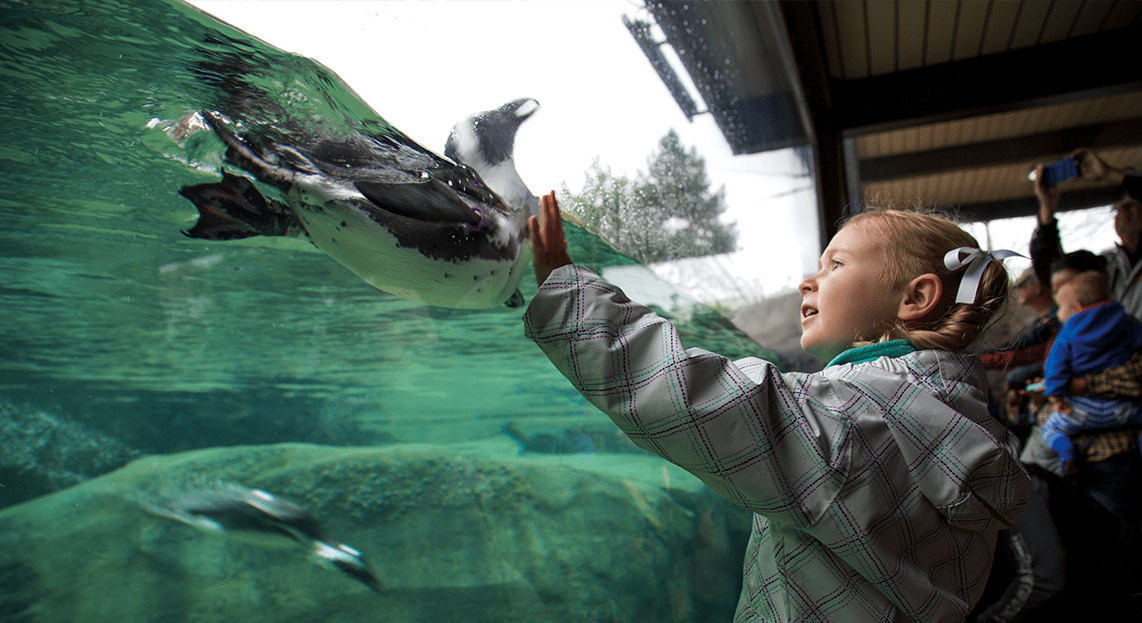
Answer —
(519, 110)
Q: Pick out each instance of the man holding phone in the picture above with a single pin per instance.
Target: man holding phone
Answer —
(1123, 263)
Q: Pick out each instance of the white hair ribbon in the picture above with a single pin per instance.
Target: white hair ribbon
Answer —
(976, 261)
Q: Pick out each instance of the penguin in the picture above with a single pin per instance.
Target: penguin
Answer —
(405, 220)
(236, 510)
(485, 141)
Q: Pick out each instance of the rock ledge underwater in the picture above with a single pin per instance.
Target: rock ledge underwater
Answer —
(464, 533)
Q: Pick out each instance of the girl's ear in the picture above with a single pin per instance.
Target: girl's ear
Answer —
(921, 296)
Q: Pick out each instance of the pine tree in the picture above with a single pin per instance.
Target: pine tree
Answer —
(604, 204)
(678, 189)
(665, 214)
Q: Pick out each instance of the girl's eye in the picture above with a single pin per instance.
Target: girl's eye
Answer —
(836, 264)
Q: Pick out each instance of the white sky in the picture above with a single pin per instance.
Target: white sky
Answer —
(423, 65)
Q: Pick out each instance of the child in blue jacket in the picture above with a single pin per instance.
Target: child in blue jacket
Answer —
(1097, 334)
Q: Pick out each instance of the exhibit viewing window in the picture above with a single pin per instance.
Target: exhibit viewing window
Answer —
(208, 338)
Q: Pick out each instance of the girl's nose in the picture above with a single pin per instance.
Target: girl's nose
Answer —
(806, 286)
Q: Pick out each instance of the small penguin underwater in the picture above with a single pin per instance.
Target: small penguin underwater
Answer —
(239, 511)
(402, 218)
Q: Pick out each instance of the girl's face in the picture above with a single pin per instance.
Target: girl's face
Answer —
(850, 298)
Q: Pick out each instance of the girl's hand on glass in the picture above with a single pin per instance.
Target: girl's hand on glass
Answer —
(548, 243)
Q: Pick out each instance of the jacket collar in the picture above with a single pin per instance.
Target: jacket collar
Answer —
(861, 354)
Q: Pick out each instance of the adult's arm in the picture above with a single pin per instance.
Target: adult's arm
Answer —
(1122, 382)
(1003, 360)
(1046, 247)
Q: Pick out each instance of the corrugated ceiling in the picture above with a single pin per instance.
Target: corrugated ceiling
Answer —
(873, 37)
(865, 38)
(1004, 125)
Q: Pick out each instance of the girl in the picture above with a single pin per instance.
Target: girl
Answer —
(878, 484)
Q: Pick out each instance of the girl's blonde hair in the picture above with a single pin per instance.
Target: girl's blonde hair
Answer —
(916, 243)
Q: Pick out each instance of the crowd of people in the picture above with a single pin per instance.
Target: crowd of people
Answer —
(1074, 397)
(1082, 420)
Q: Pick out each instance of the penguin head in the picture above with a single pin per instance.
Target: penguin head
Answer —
(485, 142)
(488, 138)
(348, 561)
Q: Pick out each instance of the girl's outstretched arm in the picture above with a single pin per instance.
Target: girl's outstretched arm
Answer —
(548, 243)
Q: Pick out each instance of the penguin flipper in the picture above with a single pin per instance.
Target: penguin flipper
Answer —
(516, 300)
(213, 225)
(516, 435)
(430, 200)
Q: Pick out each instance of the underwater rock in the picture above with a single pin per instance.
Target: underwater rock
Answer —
(573, 441)
(45, 450)
(17, 592)
(41, 452)
(714, 332)
(453, 536)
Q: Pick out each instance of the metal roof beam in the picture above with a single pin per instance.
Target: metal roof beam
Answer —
(1026, 206)
(1031, 148)
(1079, 68)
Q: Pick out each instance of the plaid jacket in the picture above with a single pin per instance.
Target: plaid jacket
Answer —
(877, 487)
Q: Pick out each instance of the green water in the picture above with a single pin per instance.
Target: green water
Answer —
(104, 297)
(116, 322)
(106, 302)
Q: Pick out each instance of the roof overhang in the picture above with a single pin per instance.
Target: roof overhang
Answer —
(948, 104)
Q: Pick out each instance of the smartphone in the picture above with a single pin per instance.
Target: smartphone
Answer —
(1060, 171)
(1036, 387)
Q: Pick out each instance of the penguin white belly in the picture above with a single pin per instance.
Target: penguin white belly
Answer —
(356, 241)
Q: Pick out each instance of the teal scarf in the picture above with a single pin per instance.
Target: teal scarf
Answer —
(861, 354)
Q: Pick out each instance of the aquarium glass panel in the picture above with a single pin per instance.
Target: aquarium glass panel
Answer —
(263, 350)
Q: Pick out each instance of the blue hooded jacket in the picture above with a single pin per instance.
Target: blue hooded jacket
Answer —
(1092, 340)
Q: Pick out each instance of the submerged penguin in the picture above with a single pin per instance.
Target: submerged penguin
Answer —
(485, 141)
(237, 510)
(402, 218)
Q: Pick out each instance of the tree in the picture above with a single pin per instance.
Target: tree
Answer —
(665, 214)
(604, 204)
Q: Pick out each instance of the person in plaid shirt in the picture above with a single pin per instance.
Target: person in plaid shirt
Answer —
(878, 484)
